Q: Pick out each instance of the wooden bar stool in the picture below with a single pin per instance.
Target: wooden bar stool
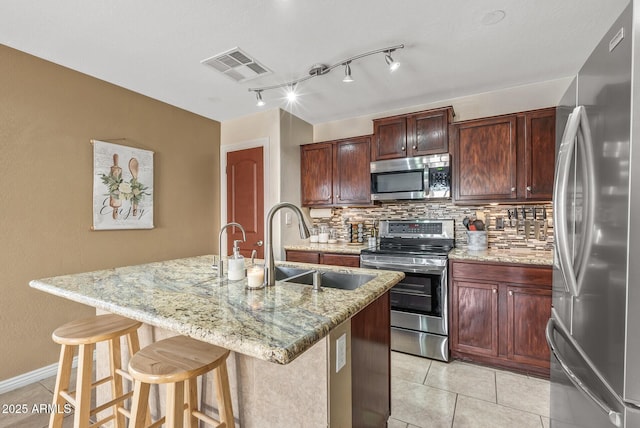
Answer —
(84, 334)
(177, 362)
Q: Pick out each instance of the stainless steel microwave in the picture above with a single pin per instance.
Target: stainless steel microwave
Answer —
(422, 177)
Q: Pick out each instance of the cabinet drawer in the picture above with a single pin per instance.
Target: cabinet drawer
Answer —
(303, 256)
(340, 260)
(503, 273)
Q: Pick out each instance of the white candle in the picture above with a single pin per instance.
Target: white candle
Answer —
(255, 276)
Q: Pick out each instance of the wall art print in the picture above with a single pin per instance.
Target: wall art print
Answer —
(122, 187)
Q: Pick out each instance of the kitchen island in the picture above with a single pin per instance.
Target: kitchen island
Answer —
(292, 346)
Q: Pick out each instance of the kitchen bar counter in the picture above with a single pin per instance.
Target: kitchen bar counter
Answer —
(518, 256)
(343, 248)
(184, 296)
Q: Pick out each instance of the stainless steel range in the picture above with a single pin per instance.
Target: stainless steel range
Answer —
(419, 303)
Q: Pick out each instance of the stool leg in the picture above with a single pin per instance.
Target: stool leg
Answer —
(62, 384)
(83, 386)
(175, 405)
(223, 395)
(115, 362)
(134, 346)
(139, 405)
(191, 391)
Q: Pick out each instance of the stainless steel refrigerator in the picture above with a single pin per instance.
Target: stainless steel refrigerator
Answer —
(594, 330)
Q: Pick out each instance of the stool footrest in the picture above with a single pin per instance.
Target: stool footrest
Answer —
(209, 420)
(124, 374)
(111, 403)
(102, 421)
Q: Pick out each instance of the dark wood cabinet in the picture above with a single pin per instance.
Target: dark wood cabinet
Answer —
(475, 315)
(499, 313)
(415, 134)
(484, 159)
(371, 364)
(316, 174)
(539, 153)
(335, 173)
(336, 259)
(508, 158)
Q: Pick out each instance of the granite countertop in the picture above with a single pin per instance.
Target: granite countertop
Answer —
(185, 296)
(343, 248)
(520, 256)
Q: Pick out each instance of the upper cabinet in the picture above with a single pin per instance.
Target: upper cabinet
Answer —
(335, 173)
(506, 158)
(539, 153)
(415, 134)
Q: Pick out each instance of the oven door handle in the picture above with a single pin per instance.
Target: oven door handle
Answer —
(413, 269)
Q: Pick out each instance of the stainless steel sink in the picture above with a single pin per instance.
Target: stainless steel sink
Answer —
(331, 279)
(284, 273)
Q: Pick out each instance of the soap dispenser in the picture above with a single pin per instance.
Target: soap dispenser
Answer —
(236, 264)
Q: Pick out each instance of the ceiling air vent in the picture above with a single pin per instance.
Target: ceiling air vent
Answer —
(237, 65)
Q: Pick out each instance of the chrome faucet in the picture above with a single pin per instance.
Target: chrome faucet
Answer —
(244, 239)
(269, 266)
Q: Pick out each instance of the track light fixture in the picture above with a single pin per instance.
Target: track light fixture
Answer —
(260, 102)
(322, 69)
(393, 65)
(347, 73)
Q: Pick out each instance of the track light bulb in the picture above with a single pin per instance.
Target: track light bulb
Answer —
(260, 102)
(393, 65)
(291, 93)
(347, 73)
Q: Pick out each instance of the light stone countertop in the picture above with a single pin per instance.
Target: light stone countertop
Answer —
(520, 256)
(343, 248)
(185, 296)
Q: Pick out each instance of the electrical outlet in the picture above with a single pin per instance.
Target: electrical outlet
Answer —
(499, 223)
(341, 352)
(287, 218)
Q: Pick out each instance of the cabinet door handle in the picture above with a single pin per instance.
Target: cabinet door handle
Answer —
(528, 188)
(415, 147)
(510, 292)
(495, 290)
(403, 148)
(513, 189)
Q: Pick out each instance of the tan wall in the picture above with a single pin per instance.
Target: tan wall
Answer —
(293, 133)
(48, 114)
(520, 98)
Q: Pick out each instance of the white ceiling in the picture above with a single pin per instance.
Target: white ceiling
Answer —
(154, 47)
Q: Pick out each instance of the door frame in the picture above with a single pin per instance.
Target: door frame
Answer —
(251, 144)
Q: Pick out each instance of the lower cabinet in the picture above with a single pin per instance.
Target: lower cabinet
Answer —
(499, 313)
(336, 259)
(371, 364)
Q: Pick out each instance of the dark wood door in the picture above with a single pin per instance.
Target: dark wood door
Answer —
(484, 159)
(316, 174)
(427, 132)
(389, 138)
(475, 318)
(245, 199)
(540, 150)
(528, 310)
(352, 177)
(371, 364)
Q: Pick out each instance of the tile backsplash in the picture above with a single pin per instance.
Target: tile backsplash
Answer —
(508, 238)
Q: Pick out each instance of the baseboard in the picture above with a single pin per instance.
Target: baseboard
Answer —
(33, 376)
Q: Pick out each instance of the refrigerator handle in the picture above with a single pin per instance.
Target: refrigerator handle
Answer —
(614, 417)
(561, 181)
(588, 176)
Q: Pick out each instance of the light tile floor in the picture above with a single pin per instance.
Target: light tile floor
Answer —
(424, 394)
(433, 394)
